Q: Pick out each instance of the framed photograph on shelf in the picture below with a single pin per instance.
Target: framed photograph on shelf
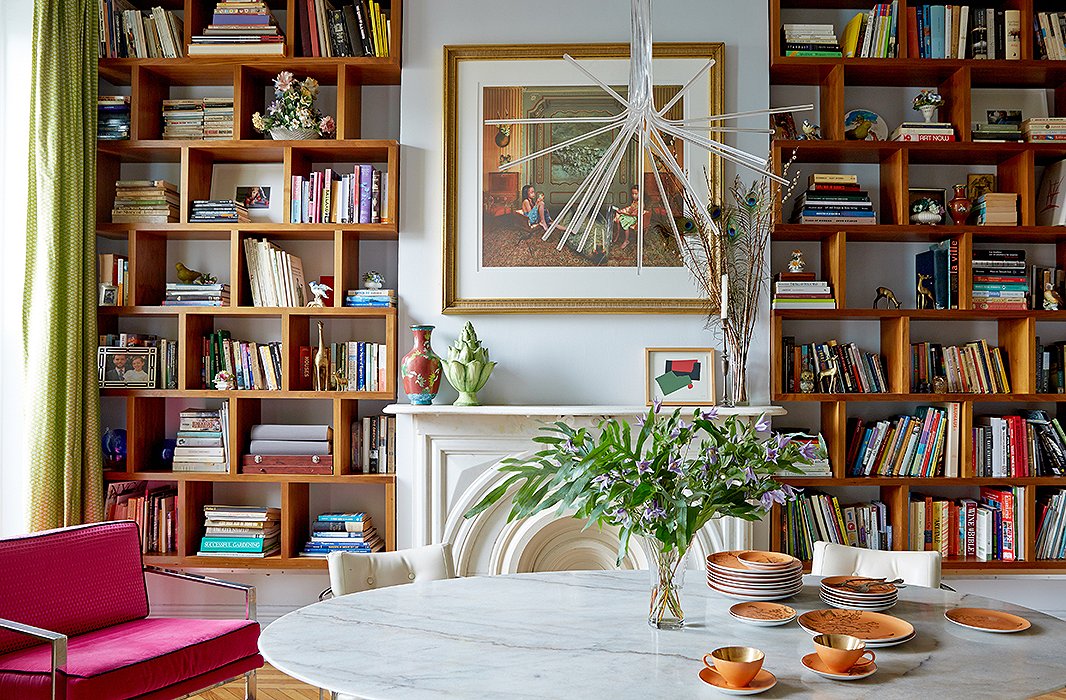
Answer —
(126, 367)
(496, 256)
(252, 184)
(679, 376)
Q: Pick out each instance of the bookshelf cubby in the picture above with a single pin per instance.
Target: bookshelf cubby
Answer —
(898, 166)
(152, 248)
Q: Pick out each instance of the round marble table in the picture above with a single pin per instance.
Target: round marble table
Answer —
(585, 635)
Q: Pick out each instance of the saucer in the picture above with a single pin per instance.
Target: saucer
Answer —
(814, 663)
(764, 614)
(760, 684)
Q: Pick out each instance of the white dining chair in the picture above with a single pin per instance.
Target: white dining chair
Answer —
(915, 568)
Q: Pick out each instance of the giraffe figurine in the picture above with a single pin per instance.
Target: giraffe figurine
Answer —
(321, 364)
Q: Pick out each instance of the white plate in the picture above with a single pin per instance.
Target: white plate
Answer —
(755, 589)
(891, 642)
(853, 606)
(756, 598)
(755, 586)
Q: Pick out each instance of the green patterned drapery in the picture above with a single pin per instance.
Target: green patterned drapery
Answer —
(59, 309)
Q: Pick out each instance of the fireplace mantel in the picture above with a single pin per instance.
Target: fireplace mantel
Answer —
(549, 410)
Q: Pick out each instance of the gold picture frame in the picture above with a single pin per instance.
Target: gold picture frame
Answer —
(452, 301)
(657, 364)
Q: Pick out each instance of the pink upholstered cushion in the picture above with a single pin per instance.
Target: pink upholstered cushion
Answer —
(73, 580)
(134, 658)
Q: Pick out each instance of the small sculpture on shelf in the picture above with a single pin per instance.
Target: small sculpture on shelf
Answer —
(886, 293)
(924, 298)
(321, 364)
(188, 276)
(225, 381)
(1052, 299)
(807, 380)
(811, 132)
(372, 279)
(828, 378)
(467, 367)
(796, 263)
(940, 385)
(927, 102)
(114, 448)
(926, 210)
(320, 292)
(959, 206)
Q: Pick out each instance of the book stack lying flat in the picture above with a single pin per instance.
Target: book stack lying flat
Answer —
(996, 209)
(800, 290)
(327, 197)
(202, 440)
(179, 294)
(385, 298)
(240, 531)
(113, 117)
(973, 368)
(342, 532)
(239, 27)
(923, 445)
(224, 211)
(1050, 367)
(374, 445)
(276, 277)
(354, 365)
(1051, 526)
(987, 528)
(830, 368)
(817, 517)
(1001, 132)
(1044, 129)
(1028, 444)
(810, 40)
(833, 198)
(218, 118)
(152, 508)
(253, 365)
(999, 280)
(145, 201)
(289, 449)
(183, 119)
(924, 131)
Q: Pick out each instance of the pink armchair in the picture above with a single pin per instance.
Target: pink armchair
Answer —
(82, 590)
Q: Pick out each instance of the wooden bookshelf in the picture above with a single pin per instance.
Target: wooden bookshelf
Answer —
(149, 82)
(1016, 166)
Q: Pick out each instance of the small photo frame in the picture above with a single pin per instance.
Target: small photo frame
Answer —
(253, 197)
(108, 295)
(127, 368)
(979, 183)
(784, 126)
(938, 196)
(679, 376)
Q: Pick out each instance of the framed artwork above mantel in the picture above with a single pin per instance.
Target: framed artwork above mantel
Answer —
(496, 256)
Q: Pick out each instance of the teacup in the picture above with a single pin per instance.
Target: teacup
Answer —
(737, 665)
(841, 652)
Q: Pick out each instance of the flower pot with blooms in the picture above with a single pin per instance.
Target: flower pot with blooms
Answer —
(927, 102)
(293, 115)
(661, 480)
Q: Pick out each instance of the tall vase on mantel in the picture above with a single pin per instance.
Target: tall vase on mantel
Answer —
(420, 369)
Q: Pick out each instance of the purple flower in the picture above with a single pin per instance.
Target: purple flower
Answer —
(807, 450)
(712, 455)
(789, 491)
(570, 447)
(749, 474)
(657, 405)
(710, 414)
(766, 501)
(640, 420)
(675, 433)
(771, 453)
(622, 515)
(604, 481)
(681, 424)
(782, 440)
(654, 512)
(763, 424)
(644, 466)
(675, 467)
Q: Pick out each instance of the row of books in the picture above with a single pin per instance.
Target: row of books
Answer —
(202, 442)
(253, 365)
(936, 274)
(383, 298)
(126, 32)
(112, 271)
(181, 294)
(924, 131)
(873, 34)
(374, 445)
(145, 201)
(1051, 527)
(351, 366)
(1049, 35)
(342, 532)
(327, 197)
(1028, 444)
(217, 211)
(818, 40)
(971, 368)
(831, 368)
(1050, 367)
(962, 31)
(112, 117)
(987, 528)
(817, 517)
(240, 531)
(152, 508)
(833, 198)
(999, 279)
(276, 277)
(923, 445)
(239, 27)
(359, 28)
(207, 118)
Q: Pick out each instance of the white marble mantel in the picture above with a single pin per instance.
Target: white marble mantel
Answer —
(446, 459)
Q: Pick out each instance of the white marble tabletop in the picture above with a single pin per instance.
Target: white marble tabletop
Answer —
(585, 635)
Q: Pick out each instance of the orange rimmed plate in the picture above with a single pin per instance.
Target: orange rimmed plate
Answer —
(763, 614)
(765, 561)
(985, 620)
(877, 588)
(864, 624)
(857, 672)
(760, 684)
(728, 562)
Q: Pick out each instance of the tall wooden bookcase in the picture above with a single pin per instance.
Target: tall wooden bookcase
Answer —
(146, 411)
(1016, 166)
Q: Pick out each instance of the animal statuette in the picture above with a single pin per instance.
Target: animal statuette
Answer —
(807, 381)
(321, 364)
(796, 263)
(1052, 299)
(925, 298)
(886, 293)
(320, 291)
(189, 276)
(811, 132)
(828, 378)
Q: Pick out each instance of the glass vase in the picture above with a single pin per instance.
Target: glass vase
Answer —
(667, 569)
(734, 376)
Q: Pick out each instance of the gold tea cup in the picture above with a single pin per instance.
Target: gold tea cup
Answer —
(841, 652)
(737, 665)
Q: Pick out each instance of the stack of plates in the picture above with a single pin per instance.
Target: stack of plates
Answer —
(857, 593)
(751, 575)
(876, 629)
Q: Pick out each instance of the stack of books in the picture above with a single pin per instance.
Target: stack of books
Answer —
(180, 294)
(1049, 32)
(810, 40)
(923, 445)
(937, 271)
(1051, 526)
(989, 527)
(145, 201)
(289, 449)
(996, 209)
(112, 270)
(226, 211)
(972, 368)
(202, 440)
(817, 517)
(276, 277)
(1044, 129)
(342, 532)
(239, 27)
(328, 197)
(833, 198)
(356, 29)
(125, 32)
(218, 118)
(1050, 368)
(374, 445)
(183, 119)
(385, 298)
(924, 131)
(830, 368)
(801, 290)
(872, 34)
(113, 117)
(353, 366)
(1028, 444)
(962, 31)
(998, 132)
(999, 280)
(240, 531)
(152, 508)
(253, 365)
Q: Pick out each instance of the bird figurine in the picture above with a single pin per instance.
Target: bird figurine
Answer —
(1052, 299)
(811, 132)
(320, 291)
(189, 276)
(859, 132)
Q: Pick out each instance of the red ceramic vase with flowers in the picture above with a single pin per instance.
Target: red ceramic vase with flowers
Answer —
(420, 369)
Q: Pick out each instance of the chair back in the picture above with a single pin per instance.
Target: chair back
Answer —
(71, 580)
(352, 573)
(915, 568)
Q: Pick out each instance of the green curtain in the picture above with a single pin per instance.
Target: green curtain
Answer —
(59, 309)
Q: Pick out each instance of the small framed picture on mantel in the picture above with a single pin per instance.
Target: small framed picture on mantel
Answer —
(679, 376)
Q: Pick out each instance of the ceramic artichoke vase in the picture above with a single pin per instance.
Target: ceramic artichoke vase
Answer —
(468, 367)
(420, 369)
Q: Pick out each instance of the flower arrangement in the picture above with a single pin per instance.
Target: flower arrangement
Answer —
(224, 380)
(662, 483)
(294, 108)
(928, 98)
